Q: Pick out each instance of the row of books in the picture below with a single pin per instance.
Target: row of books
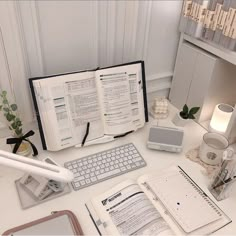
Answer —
(211, 20)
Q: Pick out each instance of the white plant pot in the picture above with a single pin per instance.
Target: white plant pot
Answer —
(24, 149)
(179, 121)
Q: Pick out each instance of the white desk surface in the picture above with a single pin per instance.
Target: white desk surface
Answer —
(12, 215)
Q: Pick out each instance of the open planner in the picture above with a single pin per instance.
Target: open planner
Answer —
(110, 102)
(166, 203)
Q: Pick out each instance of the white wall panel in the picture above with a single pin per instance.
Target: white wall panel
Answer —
(85, 34)
(12, 66)
(62, 36)
(68, 35)
(163, 36)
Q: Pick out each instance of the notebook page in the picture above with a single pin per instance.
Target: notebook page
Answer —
(184, 200)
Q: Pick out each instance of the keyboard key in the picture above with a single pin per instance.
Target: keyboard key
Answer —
(93, 179)
(77, 174)
(79, 178)
(108, 174)
(97, 167)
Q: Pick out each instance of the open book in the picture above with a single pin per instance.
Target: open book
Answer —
(167, 203)
(110, 101)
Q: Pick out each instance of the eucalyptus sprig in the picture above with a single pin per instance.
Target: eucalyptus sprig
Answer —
(10, 113)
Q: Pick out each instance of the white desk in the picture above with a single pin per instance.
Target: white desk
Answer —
(12, 215)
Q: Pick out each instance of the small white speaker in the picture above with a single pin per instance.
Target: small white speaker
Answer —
(165, 139)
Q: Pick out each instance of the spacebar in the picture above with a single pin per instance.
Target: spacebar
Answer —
(108, 174)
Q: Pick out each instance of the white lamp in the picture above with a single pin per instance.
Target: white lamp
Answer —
(33, 188)
(36, 167)
(221, 118)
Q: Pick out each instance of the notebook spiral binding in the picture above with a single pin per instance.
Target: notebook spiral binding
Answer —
(201, 193)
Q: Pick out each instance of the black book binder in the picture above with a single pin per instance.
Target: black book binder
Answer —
(31, 80)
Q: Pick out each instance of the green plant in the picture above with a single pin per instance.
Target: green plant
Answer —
(187, 113)
(10, 113)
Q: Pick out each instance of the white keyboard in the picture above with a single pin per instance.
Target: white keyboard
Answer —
(104, 165)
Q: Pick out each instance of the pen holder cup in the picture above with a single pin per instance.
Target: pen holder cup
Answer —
(222, 191)
(221, 185)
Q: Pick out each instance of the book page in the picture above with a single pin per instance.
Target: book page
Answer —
(126, 210)
(67, 103)
(121, 94)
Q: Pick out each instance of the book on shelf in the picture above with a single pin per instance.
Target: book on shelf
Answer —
(221, 20)
(185, 14)
(198, 21)
(91, 105)
(165, 203)
(192, 17)
(211, 19)
(224, 38)
(232, 31)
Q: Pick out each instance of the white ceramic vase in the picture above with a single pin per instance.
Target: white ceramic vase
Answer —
(179, 121)
(24, 149)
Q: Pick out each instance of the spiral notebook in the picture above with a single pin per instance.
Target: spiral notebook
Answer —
(184, 202)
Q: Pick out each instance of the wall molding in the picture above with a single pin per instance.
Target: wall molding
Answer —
(160, 76)
(28, 18)
(130, 30)
(14, 60)
(161, 86)
(123, 31)
(158, 82)
(147, 28)
(96, 35)
(5, 73)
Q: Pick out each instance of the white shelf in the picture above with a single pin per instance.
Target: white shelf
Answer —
(212, 48)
